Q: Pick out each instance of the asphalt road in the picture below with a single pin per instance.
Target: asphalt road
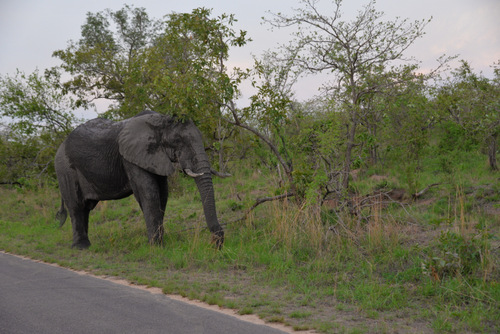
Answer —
(40, 298)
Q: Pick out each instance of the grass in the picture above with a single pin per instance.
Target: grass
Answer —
(431, 265)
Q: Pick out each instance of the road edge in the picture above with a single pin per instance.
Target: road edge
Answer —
(251, 318)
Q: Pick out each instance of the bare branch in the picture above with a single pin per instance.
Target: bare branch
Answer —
(258, 202)
(423, 191)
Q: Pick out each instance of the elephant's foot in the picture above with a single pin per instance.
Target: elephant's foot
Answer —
(218, 239)
(155, 236)
(81, 244)
(156, 241)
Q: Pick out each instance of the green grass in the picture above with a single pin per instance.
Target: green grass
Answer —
(430, 265)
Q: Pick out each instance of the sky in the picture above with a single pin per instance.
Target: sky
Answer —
(31, 30)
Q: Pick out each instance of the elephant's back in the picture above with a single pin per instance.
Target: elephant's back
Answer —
(97, 131)
(95, 127)
(93, 142)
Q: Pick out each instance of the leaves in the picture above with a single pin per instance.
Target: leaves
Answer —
(174, 66)
(38, 115)
(472, 102)
(360, 55)
(35, 103)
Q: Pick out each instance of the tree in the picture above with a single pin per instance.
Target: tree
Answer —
(318, 148)
(397, 102)
(39, 117)
(352, 51)
(472, 102)
(269, 109)
(107, 60)
(36, 103)
(174, 66)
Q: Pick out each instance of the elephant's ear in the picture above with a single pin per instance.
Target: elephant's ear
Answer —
(140, 142)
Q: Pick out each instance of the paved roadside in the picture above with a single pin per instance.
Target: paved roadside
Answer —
(39, 298)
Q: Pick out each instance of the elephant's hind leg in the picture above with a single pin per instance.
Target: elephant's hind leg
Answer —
(80, 224)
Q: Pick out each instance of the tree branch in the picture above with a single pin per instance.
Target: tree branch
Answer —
(258, 202)
(423, 191)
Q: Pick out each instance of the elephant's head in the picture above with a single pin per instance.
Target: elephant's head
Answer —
(157, 143)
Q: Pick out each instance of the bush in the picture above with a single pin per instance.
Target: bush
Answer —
(457, 255)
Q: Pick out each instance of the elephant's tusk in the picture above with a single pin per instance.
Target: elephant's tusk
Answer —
(219, 174)
(191, 173)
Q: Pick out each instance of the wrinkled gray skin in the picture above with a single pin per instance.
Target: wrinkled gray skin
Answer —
(106, 160)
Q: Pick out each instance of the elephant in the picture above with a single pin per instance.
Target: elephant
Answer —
(106, 160)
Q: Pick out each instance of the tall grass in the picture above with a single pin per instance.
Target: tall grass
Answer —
(297, 228)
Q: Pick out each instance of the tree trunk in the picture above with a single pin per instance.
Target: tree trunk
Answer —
(287, 165)
(492, 151)
(348, 155)
(221, 138)
(351, 135)
(373, 144)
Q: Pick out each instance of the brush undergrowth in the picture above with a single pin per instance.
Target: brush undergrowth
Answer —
(423, 265)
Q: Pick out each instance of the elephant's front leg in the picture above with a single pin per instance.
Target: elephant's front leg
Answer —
(151, 192)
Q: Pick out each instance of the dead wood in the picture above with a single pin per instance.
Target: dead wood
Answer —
(11, 183)
(423, 191)
(258, 202)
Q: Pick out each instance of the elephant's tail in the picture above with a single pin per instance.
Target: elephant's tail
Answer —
(61, 215)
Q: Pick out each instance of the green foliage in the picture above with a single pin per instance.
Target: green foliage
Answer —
(36, 104)
(318, 145)
(187, 64)
(38, 116)
(407, 122)
(411, 178)
(457, 256)
(360, 54)
(173, 66)
(106, 62)
(472, 103)
(453, 136)
(270, 106)
(25, 160)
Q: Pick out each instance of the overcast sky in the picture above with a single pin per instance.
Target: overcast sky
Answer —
(30, 30)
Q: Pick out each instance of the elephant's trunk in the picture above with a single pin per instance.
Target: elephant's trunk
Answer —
(206, 189)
